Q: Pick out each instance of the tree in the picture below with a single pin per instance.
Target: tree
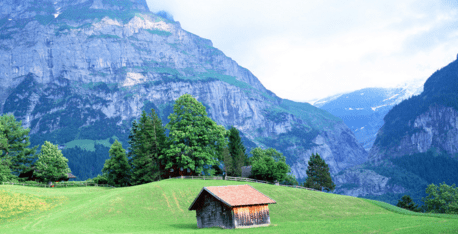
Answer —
(268, 165)
(5, 172)
(3, 140)
(51, 164)
(117, 169)
(318, 176)
(195, 141)
(290, 180)
(147, 141)
(17, 142)
(407, 203)
(441, 199)
(5, 163)
(237, 151)
(100, 179)
(227, 159)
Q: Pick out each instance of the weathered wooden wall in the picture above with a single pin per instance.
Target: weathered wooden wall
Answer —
(213, 213)
(251, 215)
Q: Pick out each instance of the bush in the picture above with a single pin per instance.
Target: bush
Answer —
(100, 179)
(442, 199)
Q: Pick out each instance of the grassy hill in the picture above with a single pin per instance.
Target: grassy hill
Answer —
(162, 207)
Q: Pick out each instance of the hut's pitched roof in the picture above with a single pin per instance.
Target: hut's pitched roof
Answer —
(235, 195)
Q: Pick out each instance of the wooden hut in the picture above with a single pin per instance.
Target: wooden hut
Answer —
(233, 206)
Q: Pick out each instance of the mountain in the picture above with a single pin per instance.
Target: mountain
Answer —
(415, 147)
(78, 72)
(363, 110)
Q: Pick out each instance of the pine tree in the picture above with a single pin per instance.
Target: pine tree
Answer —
(318, 176)
(17, 138)
(407, 203)
(195, 141)
(147, 143)
(51, 164)
(237, 151)
(227, 159)
(117, 168)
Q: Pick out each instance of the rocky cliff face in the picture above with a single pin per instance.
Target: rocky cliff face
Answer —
(436, 128)
(362, 182)
(85, 69)
(423, 125)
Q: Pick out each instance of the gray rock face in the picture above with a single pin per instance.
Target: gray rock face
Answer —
(87, 75)
(363, 182)
(436, 128)
(337, 147)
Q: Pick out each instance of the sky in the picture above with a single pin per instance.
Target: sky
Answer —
(307, 50)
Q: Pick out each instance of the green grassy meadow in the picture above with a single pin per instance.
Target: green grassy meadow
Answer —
(162, 207)
(88, 145)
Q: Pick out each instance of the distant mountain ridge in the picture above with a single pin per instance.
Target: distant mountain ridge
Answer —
(83, 70)
(363, 110)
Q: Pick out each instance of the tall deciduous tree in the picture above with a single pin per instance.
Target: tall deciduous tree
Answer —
(117, 169)
(51, 164)
(147, 141)
(237, 151)
(195, 140)
(441, 199)
(407, 203)
(318, 176)
(268, 165)
(17, 139)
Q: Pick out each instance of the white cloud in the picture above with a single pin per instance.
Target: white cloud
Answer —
(303, 50)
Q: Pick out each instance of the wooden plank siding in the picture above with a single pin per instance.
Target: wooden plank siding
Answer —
(251, 215)
(213, 213)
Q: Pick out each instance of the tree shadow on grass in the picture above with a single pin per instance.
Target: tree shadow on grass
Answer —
(184, 225)
(189, 226)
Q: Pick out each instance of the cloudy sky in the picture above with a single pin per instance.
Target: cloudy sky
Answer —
(305, 50)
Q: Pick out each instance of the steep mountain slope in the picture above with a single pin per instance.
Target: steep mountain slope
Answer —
(416, 145)
(363, 110)
(83, 70)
